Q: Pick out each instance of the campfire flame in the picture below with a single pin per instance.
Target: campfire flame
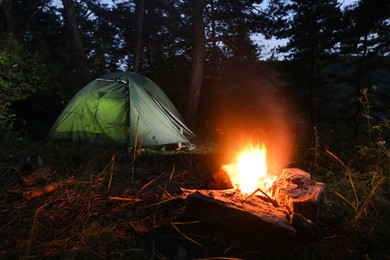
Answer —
(250, 172)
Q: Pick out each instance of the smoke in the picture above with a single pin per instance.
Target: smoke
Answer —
(255, 112)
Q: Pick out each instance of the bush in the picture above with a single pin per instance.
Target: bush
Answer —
(21, 75)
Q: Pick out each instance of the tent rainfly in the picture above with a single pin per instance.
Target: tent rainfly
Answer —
(121, 108)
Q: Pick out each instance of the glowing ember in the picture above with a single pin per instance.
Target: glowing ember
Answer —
(250, 172)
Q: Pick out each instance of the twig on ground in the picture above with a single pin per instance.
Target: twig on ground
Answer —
(184, 235)
(52, 187)
(124, 199)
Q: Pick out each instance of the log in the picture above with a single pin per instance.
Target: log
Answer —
(250, 219)
(278, 220)
(306, 229)
(295, 189)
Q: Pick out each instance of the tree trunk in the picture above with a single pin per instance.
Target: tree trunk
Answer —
(196, 76)
(139, 16)
(6, 7)
(77, 43)
(36, 10)
(213, 35)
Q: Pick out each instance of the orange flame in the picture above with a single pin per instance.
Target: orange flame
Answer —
(250, 172)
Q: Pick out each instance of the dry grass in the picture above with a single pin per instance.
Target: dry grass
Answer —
(356, 210)
(85, 204)
(99, 212)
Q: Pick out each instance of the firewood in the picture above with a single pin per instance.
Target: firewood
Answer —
(254, 221)
(219, 181)
(306, 229)
(295, 203)
(295, 189)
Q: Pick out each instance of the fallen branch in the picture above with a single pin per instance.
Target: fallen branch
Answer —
(52, 187)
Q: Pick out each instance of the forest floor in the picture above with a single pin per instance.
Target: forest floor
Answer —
(72, 201)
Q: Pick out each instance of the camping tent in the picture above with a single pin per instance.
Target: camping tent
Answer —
(121, 108)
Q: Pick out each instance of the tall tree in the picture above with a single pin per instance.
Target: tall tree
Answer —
(366, 36)
(229, 27)
(139, 15)
(39, 27)
(313, 29)
(6, 7)
(196, 76)
(80, 57)
(103, 35)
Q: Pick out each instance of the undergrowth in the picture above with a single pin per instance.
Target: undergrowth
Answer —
(99, 212)
(354, 217)
(357, 203)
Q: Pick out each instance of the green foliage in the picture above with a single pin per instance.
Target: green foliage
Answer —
(21, 74)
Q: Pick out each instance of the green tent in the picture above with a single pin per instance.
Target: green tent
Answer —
(121, 108)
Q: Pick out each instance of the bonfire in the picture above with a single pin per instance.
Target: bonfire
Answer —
(259, 205)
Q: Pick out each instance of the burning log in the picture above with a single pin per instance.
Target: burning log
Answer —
(276, 216)
(219, 181)
(260, 208)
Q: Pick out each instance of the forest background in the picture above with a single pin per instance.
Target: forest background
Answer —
(49, 51)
